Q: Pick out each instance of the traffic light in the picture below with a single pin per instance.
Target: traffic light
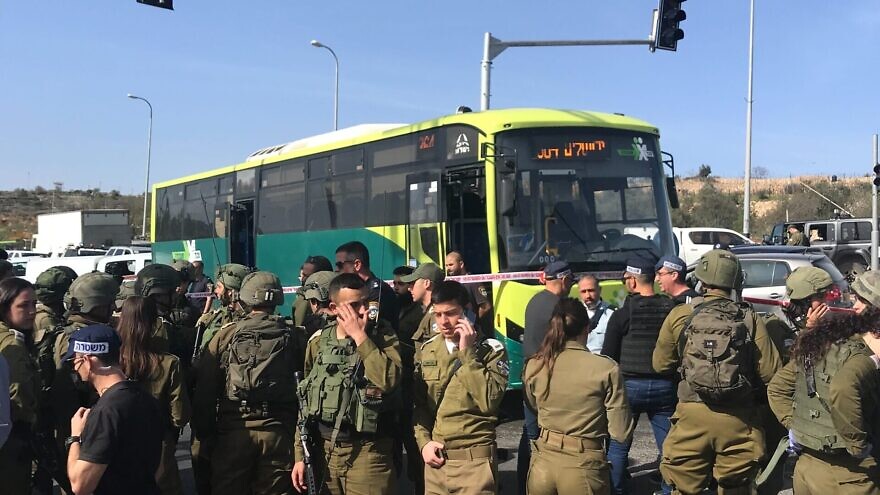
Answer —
(877, 175)
(162, 4)
(669, 15)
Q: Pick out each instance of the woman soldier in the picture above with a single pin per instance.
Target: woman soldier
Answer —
(580, 401)
(18, 308)
(828, 396)
(160, 375)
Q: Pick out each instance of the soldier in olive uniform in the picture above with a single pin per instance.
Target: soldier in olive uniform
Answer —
(246, 395)
(312, 264)
(460, 380)
(17, 311)
(828, 396)
(709, 436)
(183, 314)
(161, 283)
(796, 237)
(805, 289)
(50, 287)
(580, 400)
(353, 370)
(316, 292)
(228, 284)
(424, 280)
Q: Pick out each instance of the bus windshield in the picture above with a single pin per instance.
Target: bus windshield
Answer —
(593, 197)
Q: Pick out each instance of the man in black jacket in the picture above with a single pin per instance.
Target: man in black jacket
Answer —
(630, 340)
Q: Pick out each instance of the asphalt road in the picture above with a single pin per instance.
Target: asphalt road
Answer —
(643, 455)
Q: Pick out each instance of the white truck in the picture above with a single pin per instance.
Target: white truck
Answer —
(694, 242)
(85, 228)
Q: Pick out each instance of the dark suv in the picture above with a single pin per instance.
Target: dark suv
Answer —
(846, 241)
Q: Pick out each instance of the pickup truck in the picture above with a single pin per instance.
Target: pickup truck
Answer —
(694, 242)
(846, 241)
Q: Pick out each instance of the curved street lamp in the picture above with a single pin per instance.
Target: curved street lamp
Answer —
(149, 148)
(318, 44)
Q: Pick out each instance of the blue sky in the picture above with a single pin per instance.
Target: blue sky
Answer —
(229, 77)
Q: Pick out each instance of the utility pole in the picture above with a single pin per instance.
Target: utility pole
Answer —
(875, 235)
(747, 188)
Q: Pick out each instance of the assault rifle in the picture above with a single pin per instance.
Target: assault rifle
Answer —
(305, 437)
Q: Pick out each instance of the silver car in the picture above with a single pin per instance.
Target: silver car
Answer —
(767, 267)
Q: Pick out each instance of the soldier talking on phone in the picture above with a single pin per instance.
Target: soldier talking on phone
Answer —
(460, 380)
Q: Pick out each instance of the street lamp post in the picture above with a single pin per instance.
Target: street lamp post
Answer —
(149, 149)
(318, 44)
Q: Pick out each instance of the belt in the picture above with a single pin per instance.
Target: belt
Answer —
(569, 442)
(473, 453)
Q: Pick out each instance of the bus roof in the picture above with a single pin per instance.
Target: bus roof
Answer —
(489, 121)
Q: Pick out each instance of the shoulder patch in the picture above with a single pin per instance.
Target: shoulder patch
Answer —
(494, 344)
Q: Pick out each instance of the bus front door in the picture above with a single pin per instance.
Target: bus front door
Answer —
(241, 233)
(465, 205)
(425, 236)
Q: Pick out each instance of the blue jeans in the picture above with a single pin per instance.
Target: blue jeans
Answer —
(657, 398)
(524, 455)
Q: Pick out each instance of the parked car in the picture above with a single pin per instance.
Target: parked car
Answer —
(120, 250)
(694, 242)
(767, 267)
(124, 265)
(18, 254)
(846, 241)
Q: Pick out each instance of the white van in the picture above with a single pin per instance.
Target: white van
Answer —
(694, 242)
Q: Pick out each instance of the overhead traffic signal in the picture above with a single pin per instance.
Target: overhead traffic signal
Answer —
(877, 175)
(669, 15)
(162, 4)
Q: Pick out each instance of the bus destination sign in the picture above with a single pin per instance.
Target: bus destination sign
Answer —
(556, 148)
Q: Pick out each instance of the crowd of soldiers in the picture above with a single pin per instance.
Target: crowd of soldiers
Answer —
(327, 400)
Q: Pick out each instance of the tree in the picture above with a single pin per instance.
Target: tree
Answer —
(760, 172)
(705, 171)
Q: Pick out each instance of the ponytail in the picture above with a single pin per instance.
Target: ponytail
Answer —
(568, 321)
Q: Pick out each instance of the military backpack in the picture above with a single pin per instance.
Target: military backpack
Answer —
(716, 348)
(261, 363)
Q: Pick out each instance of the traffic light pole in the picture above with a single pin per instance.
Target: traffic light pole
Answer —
(492, 47)
(875, 235)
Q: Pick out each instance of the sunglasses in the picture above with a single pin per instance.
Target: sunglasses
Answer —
(340, 264)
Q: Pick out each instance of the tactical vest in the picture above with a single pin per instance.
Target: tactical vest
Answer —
(811, 413)
(260, 361)
(646, 315)
(337, 378)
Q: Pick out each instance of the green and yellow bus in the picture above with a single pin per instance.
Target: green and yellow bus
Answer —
(510, 189)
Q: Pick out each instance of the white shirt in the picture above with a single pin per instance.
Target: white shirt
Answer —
(597, 335)
(451, 346)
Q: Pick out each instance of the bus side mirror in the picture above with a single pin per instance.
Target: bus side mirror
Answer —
(507, 195)
(768, 239)
(672, 192)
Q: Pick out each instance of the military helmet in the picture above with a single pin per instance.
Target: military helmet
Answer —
(807, 281)
(90, 291)
(317, 286)
(719, 268)
(867, 286)
(156, 279)
(126, 290)
(184, 269)
(261, 289)
(231, 275)
(52, 284)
